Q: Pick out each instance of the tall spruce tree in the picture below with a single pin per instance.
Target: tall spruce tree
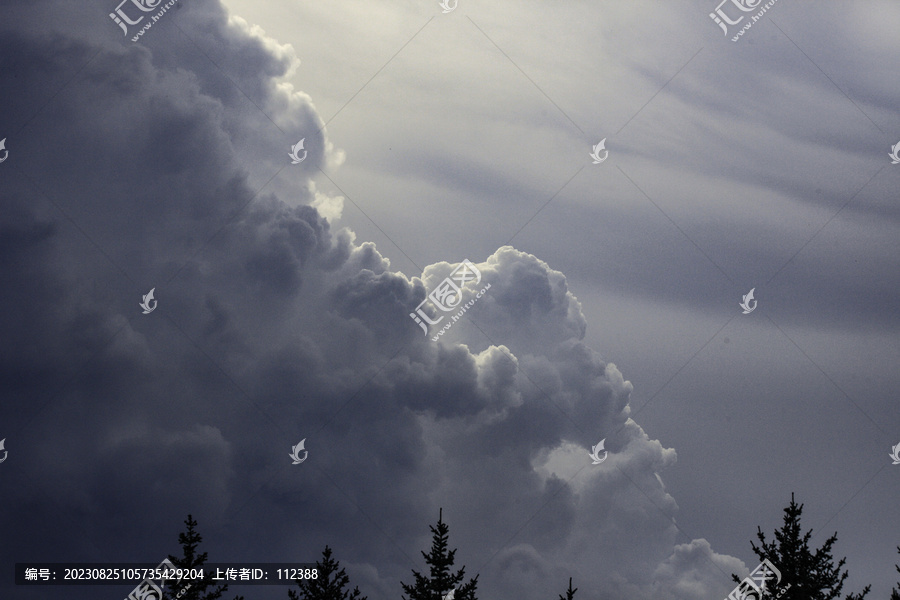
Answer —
(329, 583)
(191, 559)
(812, 575)
(570, 593)
(895, 593)
(440, 581)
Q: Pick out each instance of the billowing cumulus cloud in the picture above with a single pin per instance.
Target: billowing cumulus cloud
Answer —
(276, 324)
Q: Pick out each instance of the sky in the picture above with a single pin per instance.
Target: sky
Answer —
(619, 175)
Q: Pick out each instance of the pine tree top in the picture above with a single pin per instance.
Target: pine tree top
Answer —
(811, 574)
(570, 593)
(441, 580)
(329, 584)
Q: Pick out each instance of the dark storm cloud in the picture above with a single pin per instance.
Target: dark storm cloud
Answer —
(272, 327)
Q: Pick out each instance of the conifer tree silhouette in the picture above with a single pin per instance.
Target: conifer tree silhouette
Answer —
(191, 559)
(329, 583)
(812, 575)
(570, 593)
(440, 581)
(895, 593)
